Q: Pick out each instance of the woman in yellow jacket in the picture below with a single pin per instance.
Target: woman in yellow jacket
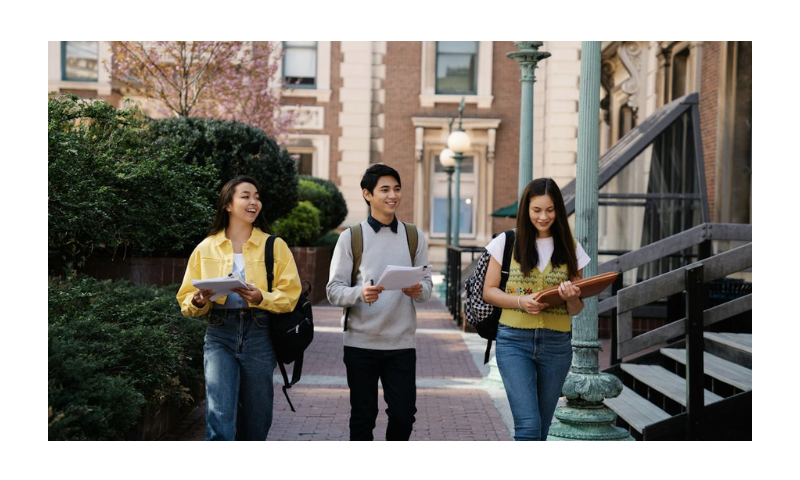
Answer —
(238, 355)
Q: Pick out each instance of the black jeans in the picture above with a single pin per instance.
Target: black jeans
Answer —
(397, 372)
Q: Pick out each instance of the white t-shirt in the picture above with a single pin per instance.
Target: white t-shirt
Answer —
(544, 246)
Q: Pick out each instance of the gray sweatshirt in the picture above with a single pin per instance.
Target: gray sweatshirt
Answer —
(390, 323)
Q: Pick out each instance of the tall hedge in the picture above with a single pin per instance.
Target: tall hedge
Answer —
(117, 352)
(234, 148)
(111, 191)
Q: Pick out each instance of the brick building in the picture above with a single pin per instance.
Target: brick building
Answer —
(391, 102)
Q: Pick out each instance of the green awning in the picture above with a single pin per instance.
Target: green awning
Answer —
(509, 211)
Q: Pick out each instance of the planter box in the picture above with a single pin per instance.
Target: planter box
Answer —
(313, 264)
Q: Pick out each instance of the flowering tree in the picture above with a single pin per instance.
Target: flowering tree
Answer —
(226, 80)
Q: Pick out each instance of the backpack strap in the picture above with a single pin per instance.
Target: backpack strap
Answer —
(504, 271)
(269, 260)
(357, 247)
(413, 240)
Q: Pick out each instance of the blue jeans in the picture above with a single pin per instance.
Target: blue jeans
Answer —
(238, 364)
(533, 364)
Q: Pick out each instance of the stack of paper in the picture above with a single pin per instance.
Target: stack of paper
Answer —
(221, 286)
(397, 278)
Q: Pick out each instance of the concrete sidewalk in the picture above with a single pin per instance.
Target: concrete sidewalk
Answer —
(454, 400)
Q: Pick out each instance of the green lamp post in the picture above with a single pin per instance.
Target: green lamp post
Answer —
(458, 142)
(527, 57)
(585, 417)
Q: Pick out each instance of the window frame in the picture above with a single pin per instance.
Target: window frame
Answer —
(65, 78)
(475, 64)
(313, 86)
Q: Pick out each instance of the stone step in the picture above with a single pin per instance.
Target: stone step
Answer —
(717, 368)
(665, 382)
(637, 411)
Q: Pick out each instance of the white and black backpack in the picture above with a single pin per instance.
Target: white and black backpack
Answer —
(483, 316)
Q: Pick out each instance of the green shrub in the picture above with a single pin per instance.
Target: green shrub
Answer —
(333, 208)
(328, 239)
(111, 191)
(232, 149)
(301, 227)
(117, 352)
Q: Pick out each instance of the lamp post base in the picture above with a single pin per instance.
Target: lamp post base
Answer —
(581, 420)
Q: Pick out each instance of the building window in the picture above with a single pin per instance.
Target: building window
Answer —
(680, 74)
(300, 64)
(80, 61)
(468, 208)
(457, 68)
(305, 163)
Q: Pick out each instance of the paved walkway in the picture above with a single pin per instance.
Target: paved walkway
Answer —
(454, 400)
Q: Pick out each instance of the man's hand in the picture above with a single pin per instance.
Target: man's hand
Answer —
(370, 293)
(414, 291)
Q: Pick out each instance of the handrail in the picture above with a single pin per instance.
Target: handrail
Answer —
(671, 283)
(677, 243)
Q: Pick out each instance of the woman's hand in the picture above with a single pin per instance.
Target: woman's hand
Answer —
(530, 305)
(569, 292)
(252, 296)
(200, 297)
(414, 291)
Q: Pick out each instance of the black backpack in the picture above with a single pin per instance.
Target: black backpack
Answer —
(485, 317)
(291, 332)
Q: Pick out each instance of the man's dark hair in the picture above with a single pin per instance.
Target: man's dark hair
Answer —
(374, 173)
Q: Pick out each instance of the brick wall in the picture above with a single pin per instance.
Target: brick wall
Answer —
(710, 77)
(402, 85)
(403, 74)
(507, 93)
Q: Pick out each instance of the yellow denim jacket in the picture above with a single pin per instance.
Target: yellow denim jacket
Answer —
(213, 258)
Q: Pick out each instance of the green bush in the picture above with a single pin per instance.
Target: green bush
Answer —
(111, 191)
(333, 207)
(116, 352)
(301, 227)
(327, 239)
(232, 149)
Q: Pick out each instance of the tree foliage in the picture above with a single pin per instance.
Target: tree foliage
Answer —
(110, 189)
(232, 149)
(227, 80)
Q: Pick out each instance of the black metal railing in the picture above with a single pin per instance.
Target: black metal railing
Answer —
(454, 281)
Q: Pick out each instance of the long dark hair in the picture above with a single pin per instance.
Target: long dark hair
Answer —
(564, 245)
(221, 218)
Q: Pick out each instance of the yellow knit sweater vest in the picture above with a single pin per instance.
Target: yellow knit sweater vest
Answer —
(554, 318)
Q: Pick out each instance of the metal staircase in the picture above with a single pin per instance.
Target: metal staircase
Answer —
(665, 397)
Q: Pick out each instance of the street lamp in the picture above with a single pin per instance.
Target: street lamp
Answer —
(458, 142)
(448, 162)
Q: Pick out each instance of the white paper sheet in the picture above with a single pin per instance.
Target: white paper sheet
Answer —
(221, 286)
(397, 278)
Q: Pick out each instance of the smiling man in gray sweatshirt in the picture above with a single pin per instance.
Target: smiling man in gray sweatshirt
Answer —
(380, 330)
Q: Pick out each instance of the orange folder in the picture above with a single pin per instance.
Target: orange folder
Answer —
(589, 288)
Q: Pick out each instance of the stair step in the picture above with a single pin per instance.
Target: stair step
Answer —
(662, 380)
(637, 411)
(739, 341)
(718, 368)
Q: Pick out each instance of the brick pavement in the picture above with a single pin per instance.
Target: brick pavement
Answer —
(453, 401)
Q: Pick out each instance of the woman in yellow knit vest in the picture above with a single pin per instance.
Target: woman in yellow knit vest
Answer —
(534, 352)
